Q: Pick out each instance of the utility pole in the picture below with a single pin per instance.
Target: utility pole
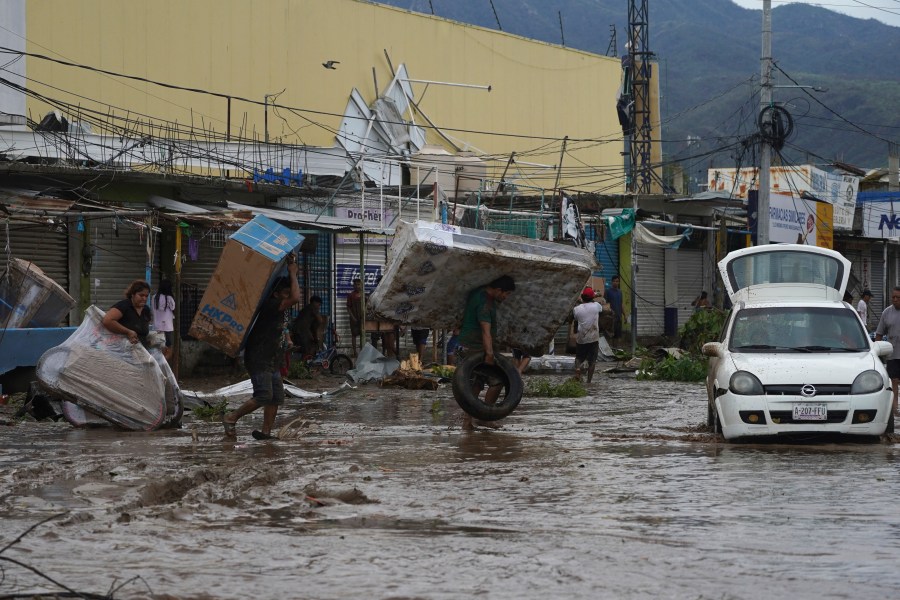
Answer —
(893, 167)
(765, 148)
(639, 56)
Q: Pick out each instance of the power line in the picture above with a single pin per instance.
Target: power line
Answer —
(829, 109)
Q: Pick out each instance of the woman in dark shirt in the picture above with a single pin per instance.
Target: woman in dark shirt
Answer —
(131, 317)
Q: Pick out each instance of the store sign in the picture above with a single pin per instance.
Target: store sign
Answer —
(796, 221)
(346, 273)
(881, 220)
(838, 190)
(369, 217)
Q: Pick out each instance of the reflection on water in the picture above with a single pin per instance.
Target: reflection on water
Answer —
(623, 494)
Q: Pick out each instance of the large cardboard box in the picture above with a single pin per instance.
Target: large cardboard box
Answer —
(252, 259)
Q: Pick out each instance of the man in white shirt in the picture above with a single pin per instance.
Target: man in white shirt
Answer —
(587, 337)
(863, 307)
(889, 329)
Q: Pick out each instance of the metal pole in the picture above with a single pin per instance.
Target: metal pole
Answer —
(885, 286)
(176, 343)
(463, 85)
(893, 167)
(634, 279)
(765, 150)
(562, 154)
(362, 299)
(228, 134)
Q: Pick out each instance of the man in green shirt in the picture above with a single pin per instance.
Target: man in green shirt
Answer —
(479, 328)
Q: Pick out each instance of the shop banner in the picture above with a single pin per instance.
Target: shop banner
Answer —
(373, 219)
(795, 221)
(838, 190)
(880, 215)
(346, 273)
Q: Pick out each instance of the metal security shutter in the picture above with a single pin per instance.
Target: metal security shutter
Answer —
(650, 290)
(346, 267)
(691, 282)
(118, 259)
(199, 272)
(876, 307)
(47, 248)
(196, 274)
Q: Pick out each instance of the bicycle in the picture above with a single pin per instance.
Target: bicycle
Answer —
(328, 358)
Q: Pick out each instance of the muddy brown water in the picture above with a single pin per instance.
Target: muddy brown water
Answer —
(380, 494)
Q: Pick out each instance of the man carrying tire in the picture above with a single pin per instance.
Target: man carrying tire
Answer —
(479, 328)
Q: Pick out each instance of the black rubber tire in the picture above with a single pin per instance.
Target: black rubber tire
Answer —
(890, 424)
(509, 398)
(712, 419)
(340, 364)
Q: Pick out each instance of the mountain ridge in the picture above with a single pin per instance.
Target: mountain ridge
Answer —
(705, 47)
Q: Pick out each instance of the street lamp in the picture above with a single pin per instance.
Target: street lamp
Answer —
(814, 88)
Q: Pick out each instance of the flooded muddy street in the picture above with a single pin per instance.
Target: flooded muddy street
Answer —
(379, 493)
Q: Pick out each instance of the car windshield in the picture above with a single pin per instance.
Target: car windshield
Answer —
(797, 329)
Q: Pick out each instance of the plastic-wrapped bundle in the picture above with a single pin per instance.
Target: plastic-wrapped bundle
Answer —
(108, 375)
(81, 417)
(174, 397)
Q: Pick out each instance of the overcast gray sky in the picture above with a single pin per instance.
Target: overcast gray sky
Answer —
(887, 11)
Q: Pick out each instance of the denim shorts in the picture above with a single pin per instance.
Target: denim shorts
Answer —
(268, 390)
(893, 368)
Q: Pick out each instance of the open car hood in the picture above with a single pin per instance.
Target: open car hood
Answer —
(784, 272)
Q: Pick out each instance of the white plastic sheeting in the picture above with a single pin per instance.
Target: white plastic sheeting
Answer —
(243, 390)
(372, 365)
(108, 375)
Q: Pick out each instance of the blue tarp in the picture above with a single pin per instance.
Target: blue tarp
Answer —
(23, 347)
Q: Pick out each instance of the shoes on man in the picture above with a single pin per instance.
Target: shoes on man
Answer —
(259, 435)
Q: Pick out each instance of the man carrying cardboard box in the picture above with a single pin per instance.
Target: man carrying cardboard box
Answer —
(262, 355)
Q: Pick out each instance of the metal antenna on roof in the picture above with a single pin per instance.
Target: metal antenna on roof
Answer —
(495, 15)
(562, 33)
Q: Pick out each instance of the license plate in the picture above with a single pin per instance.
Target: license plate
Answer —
(810, 412)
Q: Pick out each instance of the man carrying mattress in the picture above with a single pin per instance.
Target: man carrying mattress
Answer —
(479, 328)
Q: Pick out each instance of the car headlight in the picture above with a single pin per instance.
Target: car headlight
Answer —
(867, 382)
(745, 384)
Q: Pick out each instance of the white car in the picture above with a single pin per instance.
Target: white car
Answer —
(793, 358)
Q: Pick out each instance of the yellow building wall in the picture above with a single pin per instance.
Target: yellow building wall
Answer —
(249, 49)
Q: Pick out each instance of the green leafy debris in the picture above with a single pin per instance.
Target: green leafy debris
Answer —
(544, 388)
(211, 413)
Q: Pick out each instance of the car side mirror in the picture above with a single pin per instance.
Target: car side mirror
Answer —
(883, 348)
(712, 349)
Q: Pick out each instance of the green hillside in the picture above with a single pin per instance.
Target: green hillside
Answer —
(708, 54)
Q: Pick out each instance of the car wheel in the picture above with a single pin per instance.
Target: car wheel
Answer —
(341, 364)
(890, 424)
(712, 418)
(504, 370)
